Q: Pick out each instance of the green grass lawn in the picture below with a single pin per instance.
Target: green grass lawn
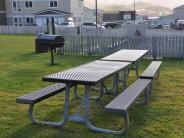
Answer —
(21, 71)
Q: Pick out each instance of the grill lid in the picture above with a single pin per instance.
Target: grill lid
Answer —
(49, 37)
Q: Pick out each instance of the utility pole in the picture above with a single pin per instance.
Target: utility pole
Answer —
(134, 12)
(96, 6)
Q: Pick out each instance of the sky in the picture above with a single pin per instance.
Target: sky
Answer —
(167, 3)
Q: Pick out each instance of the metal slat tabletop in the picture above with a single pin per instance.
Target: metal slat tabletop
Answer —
(126, 55)
(88, 74)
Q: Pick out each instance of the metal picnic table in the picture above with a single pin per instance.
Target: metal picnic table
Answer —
(89, 75)
(127, 55)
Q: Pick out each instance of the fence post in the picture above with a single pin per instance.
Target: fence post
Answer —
(154, 47)
(182, 44)
(88, 46)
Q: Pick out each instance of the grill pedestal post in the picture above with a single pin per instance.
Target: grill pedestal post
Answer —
(52, 56)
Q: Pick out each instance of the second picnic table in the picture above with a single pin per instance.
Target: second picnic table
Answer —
(127, 55)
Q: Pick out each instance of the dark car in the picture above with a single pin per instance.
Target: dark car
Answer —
(155, 26)
(111, 25)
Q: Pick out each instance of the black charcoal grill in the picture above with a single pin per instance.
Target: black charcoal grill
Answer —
(46, 42)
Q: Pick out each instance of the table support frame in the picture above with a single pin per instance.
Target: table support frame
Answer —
(85, 118)
(56, 124)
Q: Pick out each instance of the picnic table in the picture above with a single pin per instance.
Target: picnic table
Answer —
(127, 55)
(88, 75)
(92, 74)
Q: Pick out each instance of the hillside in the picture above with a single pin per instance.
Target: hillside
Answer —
(141, 8)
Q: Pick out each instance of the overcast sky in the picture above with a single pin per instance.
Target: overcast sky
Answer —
(167, 3)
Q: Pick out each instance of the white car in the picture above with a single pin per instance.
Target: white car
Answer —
(180, 24)
(67, 24)
(92, 26)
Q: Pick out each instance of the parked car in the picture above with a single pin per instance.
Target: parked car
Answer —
(92, 25)
(166, 26)
(111, 25)
(180, 24)
(155, 26)
(68, 24)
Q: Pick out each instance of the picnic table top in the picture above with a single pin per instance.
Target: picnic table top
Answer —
(88, 74)
(126, 55)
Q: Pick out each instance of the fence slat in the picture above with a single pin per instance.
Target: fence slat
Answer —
(158, 46)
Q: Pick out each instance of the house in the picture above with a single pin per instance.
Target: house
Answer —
(35, 12)
(90, 15)
(178, 13)
(41, 17)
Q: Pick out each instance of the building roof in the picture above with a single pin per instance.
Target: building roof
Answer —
(180, 7)
(118, 16)
(50, 12)
(110, 16)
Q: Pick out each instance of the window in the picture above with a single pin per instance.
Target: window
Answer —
(29, 20)
(58, 21)
(80, 4)
(17, 6)
(17, 21)
(41, 21)
(28, 4)
(53, 3)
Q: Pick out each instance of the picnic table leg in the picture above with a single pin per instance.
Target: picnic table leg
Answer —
(77, 116)
(151, 87)
(125, 77)
(137, 69)
(94, 97)
(117, 83)
(158, 73)
(107, 91)
(76, 93)
(96, 129)
(115, 87)
(56, 124)
(146, 95)
(114, 83)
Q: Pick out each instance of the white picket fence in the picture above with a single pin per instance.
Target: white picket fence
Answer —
(65, 31)
(158, 46)
(34, 30)
(160, 43)
(164, 32)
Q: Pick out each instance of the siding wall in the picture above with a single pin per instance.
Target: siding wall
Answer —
(71, 6)
(38, 5)
(2, 18)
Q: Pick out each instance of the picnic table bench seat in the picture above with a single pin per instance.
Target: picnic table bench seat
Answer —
(122, 102)
(152, 71)
(39, 95)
